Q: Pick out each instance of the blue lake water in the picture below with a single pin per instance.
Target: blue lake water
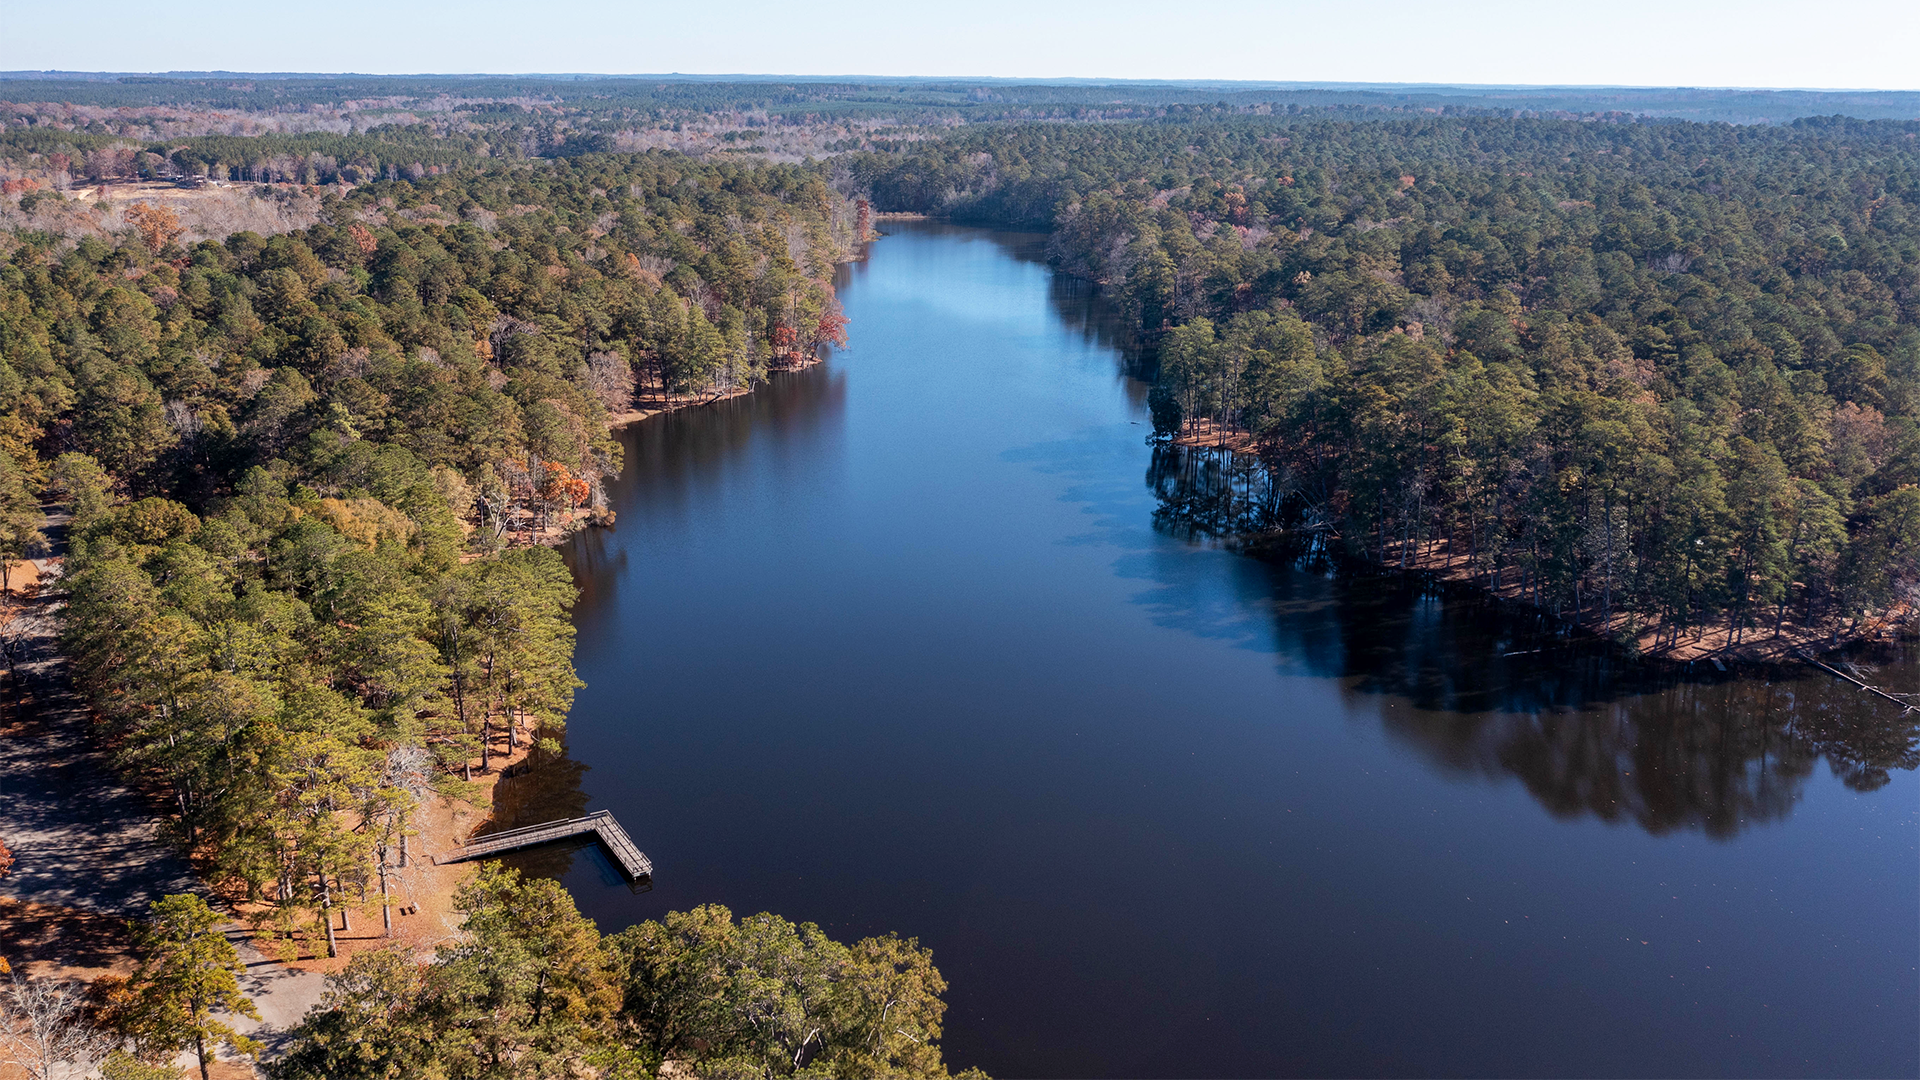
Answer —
(922, 640)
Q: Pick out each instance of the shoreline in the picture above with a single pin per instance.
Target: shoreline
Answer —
(648, 404)
(68, 809)
(80, 939)
(1642, 639)
(90, 851)
(421, 891)
(423, 914)
(654, 401)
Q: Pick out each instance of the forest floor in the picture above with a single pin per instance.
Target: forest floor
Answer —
(422, 891)
(653, 399)
(1208, 435)
(87, 848)
(88, 854)
(1712, 641)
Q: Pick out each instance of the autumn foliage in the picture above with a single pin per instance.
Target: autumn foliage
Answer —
(786, 340)
(561, 486)
(157, 225)
(833, 327)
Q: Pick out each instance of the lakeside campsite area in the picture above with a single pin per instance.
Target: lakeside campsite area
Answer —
(114, 843)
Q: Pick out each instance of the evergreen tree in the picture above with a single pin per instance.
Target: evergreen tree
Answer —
(187, 974)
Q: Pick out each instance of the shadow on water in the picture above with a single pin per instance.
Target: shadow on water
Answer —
(1498, 691)
(555, 860)
(1081, 307)
(543, 787)
(550, 787)
(680, 449)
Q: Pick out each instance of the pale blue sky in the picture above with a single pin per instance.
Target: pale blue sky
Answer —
(1865, 44)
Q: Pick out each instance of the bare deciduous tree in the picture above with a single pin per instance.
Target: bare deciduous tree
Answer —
(44, 1026)
(610, 378)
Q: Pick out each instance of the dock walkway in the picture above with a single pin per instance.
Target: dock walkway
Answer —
(632, 861)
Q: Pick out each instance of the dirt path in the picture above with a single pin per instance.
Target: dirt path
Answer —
(87, 849)
(80, 838)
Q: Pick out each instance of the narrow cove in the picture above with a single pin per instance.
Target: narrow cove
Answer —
(924, 639)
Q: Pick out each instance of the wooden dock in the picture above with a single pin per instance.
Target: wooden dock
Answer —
(632, 861)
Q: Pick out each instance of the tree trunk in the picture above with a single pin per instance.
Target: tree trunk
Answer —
(513, 722)
(326, 916)
(1606, 603)
(460, 707)
(386, 910)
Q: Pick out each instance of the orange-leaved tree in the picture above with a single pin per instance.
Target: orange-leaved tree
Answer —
(157, 225)
(563, 487)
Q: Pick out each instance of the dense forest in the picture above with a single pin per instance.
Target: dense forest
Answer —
(1657, 377)
(533, 990)
(301, 472)
(352, 129)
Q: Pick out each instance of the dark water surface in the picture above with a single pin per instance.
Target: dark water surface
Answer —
(921, 640)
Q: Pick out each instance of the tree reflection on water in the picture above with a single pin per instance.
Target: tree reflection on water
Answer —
(544, 787)
(1500, 692)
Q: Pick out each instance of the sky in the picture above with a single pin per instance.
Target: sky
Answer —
(1863, 44)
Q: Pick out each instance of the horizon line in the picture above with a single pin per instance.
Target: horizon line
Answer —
(63, 74)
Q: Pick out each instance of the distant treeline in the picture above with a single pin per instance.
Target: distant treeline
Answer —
(1653, 373)
(927, 99)
(390, 152)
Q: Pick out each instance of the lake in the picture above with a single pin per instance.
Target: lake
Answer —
(931, 638)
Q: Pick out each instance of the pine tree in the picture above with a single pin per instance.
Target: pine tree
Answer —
(188, 972)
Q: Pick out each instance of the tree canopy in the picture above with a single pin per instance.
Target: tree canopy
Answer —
(531, 989)
(304, 471)
(1644, 374)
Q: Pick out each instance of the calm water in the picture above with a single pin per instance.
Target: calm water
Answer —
(929, 639)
